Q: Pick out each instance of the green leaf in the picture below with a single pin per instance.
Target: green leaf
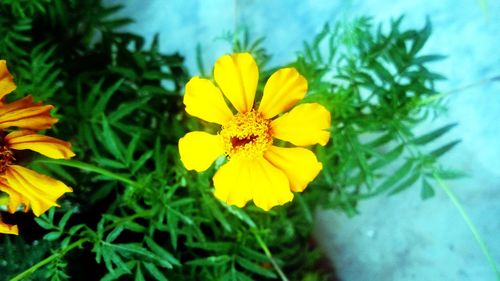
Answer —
(110, 140)
(406, 183)
(138, 274)
(421, 37)
(141, 161)
(211, 261)
(428, 58)
(388, 158)
(98, 109)
(431, 136)
(125, 109)
(449, 174)
(114, 234)
(252, 254)
(160, 251)
(212, 246)
(43, 223)
(255, 268)
(443, 149)
(65, 218)
(240, 214)
(51, 236)
(427, 190)
(397, 176)
(154, 271)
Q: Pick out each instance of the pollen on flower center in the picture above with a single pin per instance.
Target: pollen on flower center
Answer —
(246, 135)
(6, 158)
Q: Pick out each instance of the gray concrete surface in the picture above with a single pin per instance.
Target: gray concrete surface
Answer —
(400, 237)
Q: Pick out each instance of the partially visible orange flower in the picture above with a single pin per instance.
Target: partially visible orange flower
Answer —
(257, 169)
(24, 186)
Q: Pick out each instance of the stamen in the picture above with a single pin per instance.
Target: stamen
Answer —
(6, 158)
(247, 135)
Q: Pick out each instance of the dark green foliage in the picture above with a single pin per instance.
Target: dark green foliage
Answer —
(120, 104)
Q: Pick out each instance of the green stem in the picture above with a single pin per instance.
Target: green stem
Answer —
(469, 223)
(31, 270)
(263, 245)
(89, 168)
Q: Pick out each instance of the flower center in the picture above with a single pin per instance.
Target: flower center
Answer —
(6, 158)
(246, 135)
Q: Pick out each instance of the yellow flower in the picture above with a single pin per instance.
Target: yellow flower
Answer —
(32, 190)
(256, 169)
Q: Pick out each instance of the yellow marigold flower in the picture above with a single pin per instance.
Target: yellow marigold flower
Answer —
(256, 169)
(24, 186)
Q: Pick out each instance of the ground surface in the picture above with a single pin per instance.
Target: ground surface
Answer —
(400, 237)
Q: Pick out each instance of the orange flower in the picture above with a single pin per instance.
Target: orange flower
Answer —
(24, 186)
(257, 169)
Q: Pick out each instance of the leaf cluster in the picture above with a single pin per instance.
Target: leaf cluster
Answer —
(120, 104)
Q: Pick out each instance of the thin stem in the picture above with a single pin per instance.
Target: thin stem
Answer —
(89, 168)
(469, 223)
(263, 245)
(434, 98)
(31, 270)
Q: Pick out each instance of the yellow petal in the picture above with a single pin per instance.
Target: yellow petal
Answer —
(35, 117)
(304, 125)
(233, 183)
(199, 150)
(14, 198)
(8, 229)
(6, 80)
(25, 102)
(205, 101)
(39, 192)
(299, 164)
(282, 91)
(240, 180)
(48, 146)
(237, 75)
(270, 185)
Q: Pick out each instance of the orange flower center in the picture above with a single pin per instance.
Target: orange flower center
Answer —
(246, 135)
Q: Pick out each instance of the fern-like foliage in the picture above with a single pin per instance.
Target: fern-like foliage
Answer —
(120, 104)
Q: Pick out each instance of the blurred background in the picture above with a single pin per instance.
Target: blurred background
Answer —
(399, 237)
